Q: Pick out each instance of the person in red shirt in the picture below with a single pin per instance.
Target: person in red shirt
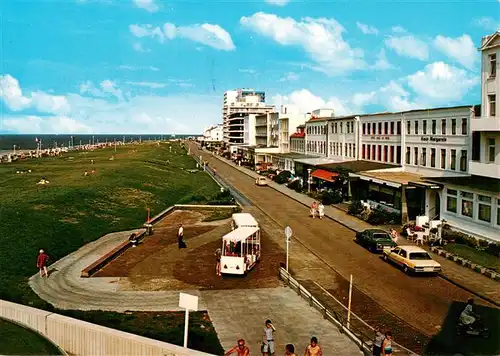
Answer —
(41, 263)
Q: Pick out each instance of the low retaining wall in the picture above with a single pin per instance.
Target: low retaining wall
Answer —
(124, 246)
(86, 339)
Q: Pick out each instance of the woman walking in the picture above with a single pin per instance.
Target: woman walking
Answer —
(218, 254)
(180, 237)
(321, 210)
(313, 209)
(387, 344)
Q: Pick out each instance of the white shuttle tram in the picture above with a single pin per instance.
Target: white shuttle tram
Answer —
(241, 247)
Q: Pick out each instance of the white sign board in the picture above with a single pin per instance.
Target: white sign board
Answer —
(188, 301)
(288, 232)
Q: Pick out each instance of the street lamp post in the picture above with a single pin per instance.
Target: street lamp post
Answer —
(309, 180)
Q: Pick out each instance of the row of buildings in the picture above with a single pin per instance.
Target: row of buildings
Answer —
(440, 162)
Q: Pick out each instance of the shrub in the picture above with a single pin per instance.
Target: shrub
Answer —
(380, 216)
(329, 197)
(494, 249)
(355, 208)
(295, 185)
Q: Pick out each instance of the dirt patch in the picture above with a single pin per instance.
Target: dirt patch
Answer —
(130, 197)
(42, 207)
(70, 220)
(186, 217)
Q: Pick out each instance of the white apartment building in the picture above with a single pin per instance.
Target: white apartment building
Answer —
(213, 133)
(237, 104)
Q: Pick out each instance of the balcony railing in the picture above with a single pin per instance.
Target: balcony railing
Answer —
(491, 123)
(484, 169)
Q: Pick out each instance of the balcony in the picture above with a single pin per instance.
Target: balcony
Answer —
(491, 170)
(485, 124)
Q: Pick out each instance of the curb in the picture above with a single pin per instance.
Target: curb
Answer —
(467, 264)
(497, 278)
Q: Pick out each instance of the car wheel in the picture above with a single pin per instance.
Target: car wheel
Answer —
(406, 270)
(371, 249)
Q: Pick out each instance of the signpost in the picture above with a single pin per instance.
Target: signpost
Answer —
(190, 303)
(288, 236)
(349, 303)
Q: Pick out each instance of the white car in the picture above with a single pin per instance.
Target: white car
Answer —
(412, 259)
(262, 181)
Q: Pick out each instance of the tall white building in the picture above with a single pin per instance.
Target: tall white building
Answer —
(236, 105)
(213, 133)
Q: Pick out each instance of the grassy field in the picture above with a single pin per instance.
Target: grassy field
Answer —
(472, 254)
(74, 209)
(16, 340)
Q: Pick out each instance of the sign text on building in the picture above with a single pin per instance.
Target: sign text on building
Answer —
(433, 139)
(380, 137)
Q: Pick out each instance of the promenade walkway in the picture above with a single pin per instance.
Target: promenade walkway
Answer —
(455, 273)
(234, 313)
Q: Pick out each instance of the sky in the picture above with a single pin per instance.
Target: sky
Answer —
(162, 66)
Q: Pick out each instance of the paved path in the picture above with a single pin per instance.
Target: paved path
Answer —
(465, 277)
(234, 313)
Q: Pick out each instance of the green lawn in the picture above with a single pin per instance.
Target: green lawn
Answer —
(16, 340)
(480, 257)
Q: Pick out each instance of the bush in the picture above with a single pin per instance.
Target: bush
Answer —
(355, 208)
(380, 216)
(295, 185)
(329, 197)
(464, 239)
(494, 249)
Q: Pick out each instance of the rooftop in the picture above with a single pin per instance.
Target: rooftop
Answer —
(357, 166)
(475, 182)
(298, 135)
(402, 178)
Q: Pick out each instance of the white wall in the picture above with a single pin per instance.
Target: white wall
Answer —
(85, 339)
(490, 86)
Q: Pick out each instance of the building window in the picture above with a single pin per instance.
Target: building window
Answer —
(407, 160)
(453, 126)
(434, 127)
(491, 150)
(453, 163)
(354, 150)
(415, 157)
(364, 129)
(398, 128)
(433, 157)
(374, 156)
(451, 200)
(363, 153)
(369, 152)
(493, 65)
(425, 127)
(379, 153)
(498, 212)
(386, 128)
(423, 161)
(467, 204)
(392, 154)
(463, 161)
(464, 126)
(443, 159)
(398, 154)
(416, 127)
(374, 128)
(484, 208)
(493, 105)
(385, 153)
(408, 128)
(443, 127)
(392, 127)
(380, 128)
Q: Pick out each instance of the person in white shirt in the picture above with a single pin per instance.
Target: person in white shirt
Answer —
(268, 344)
(321, 210)
(468, 317)
(180, 237)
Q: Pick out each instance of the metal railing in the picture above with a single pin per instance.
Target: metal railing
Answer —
(355, 328)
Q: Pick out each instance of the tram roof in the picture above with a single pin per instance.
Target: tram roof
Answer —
(244, 219)
(240, 234)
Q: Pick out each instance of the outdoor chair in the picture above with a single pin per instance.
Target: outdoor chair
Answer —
(420, 238)
(410, 235)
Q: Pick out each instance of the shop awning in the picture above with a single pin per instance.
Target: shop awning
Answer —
(324, 175)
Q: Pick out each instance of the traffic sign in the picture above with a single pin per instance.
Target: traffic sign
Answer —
(288, 232)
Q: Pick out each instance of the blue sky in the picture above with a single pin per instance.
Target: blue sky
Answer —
(151, 66)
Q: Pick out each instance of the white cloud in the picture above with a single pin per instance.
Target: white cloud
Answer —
(138, 114)
(148, 5)
(106, 88)
(440, 82)
(321, 38)
(208, 34)
(151, 85)
(147, 31)
(382, 63)
(278, 2)
(307, 102)
(461, 49)
(408, 46)
(488, 23)
(367, 29)
(289, 77)
(12, 95)
(398, 29)
(139, 48)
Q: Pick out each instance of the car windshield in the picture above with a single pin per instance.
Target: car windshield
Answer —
(420, 256)
(379, 236)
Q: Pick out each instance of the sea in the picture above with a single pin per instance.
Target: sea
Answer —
(29, 142)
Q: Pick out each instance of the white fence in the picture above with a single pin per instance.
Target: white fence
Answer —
(86, 339)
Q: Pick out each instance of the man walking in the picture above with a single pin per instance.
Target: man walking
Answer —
(180, 237)
(41, 263)
(377, 344)
(218, 254)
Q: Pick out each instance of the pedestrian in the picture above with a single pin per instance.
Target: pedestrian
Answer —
(290, 350)
(313, 209)
(394, 236)
(215, 171)
(377, 344)
(387, 344)
(133, 239)
(41, 263)
(313, 349)
(268, 343)
(180, 237)
(218, 254)
(321, 210)
(240, 349)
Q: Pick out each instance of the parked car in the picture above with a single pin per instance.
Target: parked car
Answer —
(261, 181)
(376, 240)
(412, 259)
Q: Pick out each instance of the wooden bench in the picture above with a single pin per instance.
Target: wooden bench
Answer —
(108, 257)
